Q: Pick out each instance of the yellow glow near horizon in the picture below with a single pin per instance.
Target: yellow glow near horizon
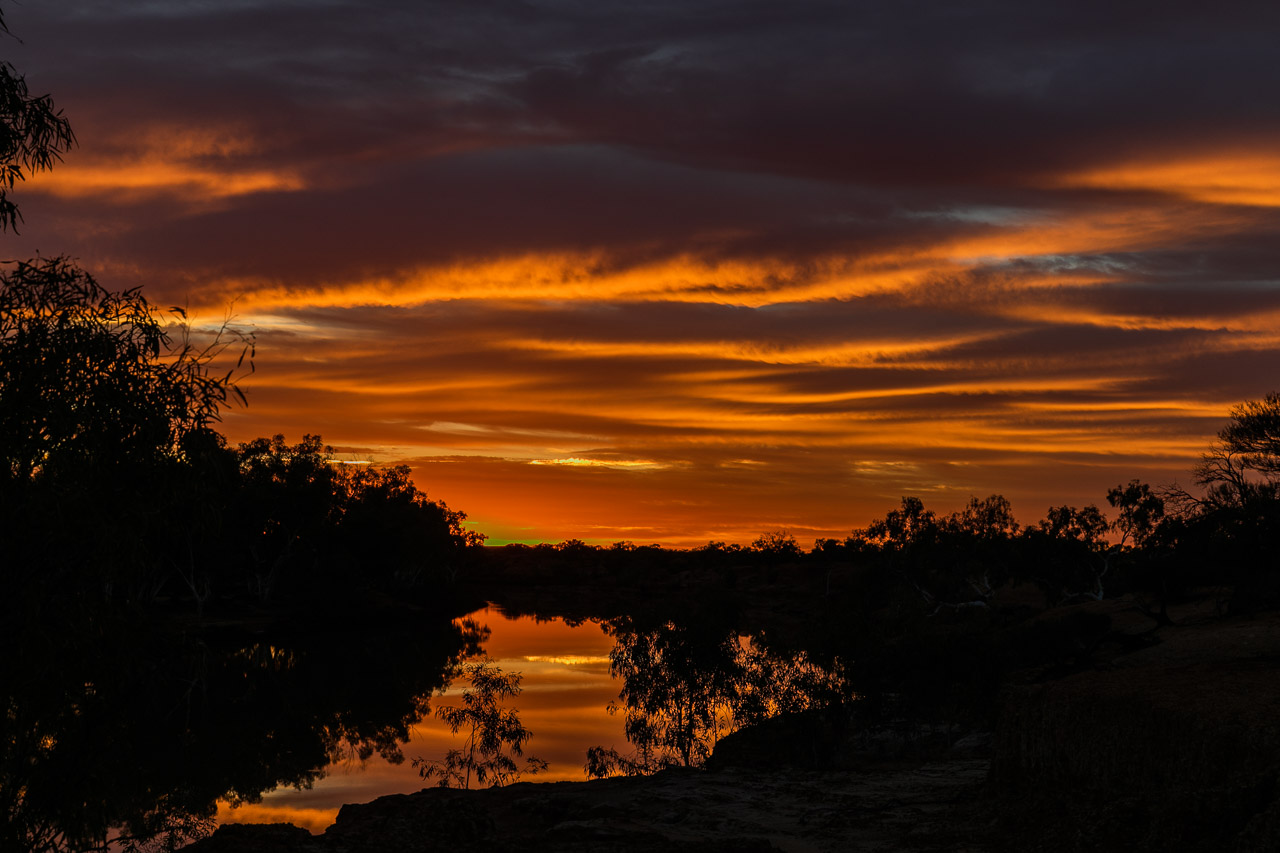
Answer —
(569, 660)
(314, 820)
(577, 462)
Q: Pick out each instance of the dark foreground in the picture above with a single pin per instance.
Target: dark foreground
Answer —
(730, 810)
(1172, 743)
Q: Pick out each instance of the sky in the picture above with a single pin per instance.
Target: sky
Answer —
(686, 271)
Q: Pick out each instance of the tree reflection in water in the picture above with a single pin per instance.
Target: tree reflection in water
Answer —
(133, 729)
(685, 686)
(128, 730)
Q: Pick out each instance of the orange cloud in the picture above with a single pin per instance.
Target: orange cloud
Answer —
(137, 177)
(1232, 177)
(586, 277)
(601, 275)
(192, 164)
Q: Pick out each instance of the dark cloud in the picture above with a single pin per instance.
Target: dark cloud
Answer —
(867, 92)
(791, 259)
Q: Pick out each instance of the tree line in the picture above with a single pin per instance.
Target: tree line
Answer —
(1158, 542)
(925, 615)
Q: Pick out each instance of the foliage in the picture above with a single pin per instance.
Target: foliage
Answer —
(106, 428)
(115, 488)
(777, 544)
(986, 520)
(785, 681)
(1219, 533)
(307, 521)
(106, 431)
(902, 529)
(107, 416)
(1141, 511)
(1070, 553)
(91, 378)
(950, 562)
(33, 135)
(678, 685)
(114, 723)
(1254, 434)
(1239, 472)
(685, 686)
(413, 536)
(495, 736)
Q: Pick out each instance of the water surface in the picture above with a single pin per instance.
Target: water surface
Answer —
(566, 688)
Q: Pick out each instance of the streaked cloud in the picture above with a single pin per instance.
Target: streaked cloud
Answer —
(687, 271)
(1231, 177)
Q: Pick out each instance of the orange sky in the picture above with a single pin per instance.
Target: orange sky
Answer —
(677, 274)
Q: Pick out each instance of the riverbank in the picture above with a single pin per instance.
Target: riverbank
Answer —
(919, 808)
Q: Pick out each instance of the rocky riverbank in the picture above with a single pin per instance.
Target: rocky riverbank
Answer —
(910, 809)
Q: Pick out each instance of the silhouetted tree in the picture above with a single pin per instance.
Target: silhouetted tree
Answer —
(777, 545)
(105, 431)
(33, 135)
(1254, 434)
(1141, 511)
(687, 685)
(287, 507)
(679, 683)
(909, 526)
(1143, 553)
(390, 527)
(783, 681)
(1069, 554)
(975, 552)
(91, 377)
(313, 525)
(495, 736)
(987, 520)
(121, 727)
(1229, 532)
(1241, 467)
(954, 562)
(903, 541)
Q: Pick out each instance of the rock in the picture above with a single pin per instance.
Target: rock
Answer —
(258, 838)
(434, 818)
(809, 739)
(1176, 746)
(973, 745)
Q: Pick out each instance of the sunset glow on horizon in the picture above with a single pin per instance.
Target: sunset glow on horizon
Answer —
(674, 273)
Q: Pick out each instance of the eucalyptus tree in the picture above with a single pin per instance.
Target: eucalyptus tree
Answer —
(34, 134)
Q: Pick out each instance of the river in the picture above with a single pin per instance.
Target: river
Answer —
(165, 727)
(565, 690)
